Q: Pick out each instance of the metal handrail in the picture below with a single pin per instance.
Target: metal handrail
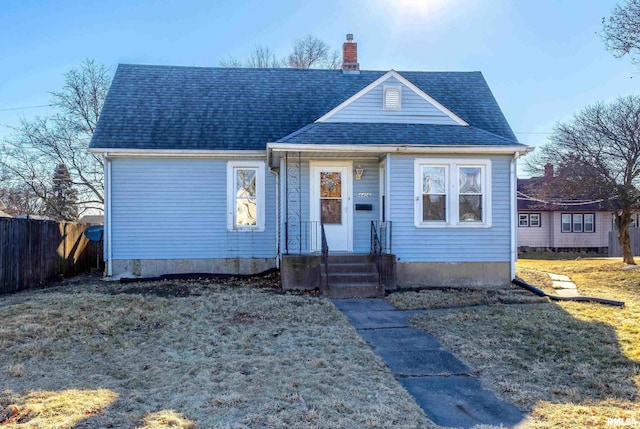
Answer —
(325, 254)
(376, 250)
(380, 244)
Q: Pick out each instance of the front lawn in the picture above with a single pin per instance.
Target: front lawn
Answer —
(567, 364)
(189, 354)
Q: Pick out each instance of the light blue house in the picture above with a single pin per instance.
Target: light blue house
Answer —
(397, 178)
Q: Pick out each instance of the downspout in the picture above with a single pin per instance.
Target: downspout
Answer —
(107, 201)
(514, 214)
(275, 172)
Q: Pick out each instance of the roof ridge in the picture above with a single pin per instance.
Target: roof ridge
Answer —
(201, 67)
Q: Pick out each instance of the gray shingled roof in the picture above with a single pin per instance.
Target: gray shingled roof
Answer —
(530, 200)
(393, 134)
(168, 107)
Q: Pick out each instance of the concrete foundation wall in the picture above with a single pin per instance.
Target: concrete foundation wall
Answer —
(300, 272)
(157, 267)
(452, 274)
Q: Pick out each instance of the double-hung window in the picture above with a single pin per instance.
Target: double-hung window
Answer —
(578, 222)
(529, 220)
(245, 196)
(452, 193)
(434, 193)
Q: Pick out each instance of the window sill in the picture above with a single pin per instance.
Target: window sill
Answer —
(474, 225)
(246, 230)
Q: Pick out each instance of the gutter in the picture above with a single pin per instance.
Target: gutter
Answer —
(180, 153)
(277, 174)
(514, 213)
(418, 149)
(107, 200)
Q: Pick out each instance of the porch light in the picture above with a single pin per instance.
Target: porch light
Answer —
(359, 172)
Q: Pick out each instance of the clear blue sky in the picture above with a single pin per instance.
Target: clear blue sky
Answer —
(543, 59)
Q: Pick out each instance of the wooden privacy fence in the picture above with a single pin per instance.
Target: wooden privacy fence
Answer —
(33, 252)
(614, 244)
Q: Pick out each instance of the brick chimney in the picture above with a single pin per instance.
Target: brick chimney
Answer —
(548, 171)
(350, 56)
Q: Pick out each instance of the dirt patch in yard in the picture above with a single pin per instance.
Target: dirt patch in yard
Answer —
(92, 354)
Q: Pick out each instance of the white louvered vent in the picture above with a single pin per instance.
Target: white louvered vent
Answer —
(392, 98)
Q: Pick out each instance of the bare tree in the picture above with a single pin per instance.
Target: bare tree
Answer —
(261, 57)
(334, 60)
(598, 154)
(38, 147)
(231, 62)
(621, 31)
(20, 201)
(311, 52)
(307, 52)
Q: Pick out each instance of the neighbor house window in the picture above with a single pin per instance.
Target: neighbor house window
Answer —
(245, 196)
(529, 220)
(578, 222)
(452, 192)
(392, 98)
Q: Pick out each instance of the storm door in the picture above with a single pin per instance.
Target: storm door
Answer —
(331, 200)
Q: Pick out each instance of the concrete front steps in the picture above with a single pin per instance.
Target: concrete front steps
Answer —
(351, 276)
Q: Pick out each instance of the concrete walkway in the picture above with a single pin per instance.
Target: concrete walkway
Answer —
(439, 382)
(563, 285)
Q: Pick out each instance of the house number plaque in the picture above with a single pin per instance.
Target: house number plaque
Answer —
(364, 194)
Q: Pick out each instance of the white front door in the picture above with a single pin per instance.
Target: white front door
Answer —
(331, 198)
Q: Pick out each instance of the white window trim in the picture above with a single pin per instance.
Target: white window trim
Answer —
(585, 223)
(231, 197)
(582, 223)
(386, 88)
(538, 215)
(452, 200)
(528, 218)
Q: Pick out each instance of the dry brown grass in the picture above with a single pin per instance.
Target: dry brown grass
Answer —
(460, 297)
(96, 355)
(568, 364)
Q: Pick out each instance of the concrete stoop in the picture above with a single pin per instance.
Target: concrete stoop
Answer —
(351, 276)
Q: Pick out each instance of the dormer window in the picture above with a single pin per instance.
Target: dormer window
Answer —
(392, 98)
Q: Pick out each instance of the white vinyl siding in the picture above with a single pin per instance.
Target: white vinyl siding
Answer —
(449, 244)
(174, 208)
(541, 236)
(413, 108)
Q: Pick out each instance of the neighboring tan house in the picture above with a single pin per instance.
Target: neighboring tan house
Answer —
(556, 223)
(238, 170)
(4, 214)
